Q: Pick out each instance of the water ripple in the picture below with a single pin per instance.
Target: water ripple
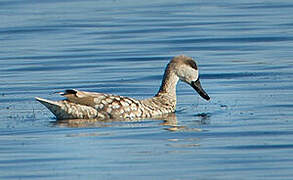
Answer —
(243, 50)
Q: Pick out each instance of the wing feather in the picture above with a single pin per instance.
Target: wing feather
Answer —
(83, 97)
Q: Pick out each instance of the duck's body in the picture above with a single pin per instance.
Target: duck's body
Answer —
(91, 105)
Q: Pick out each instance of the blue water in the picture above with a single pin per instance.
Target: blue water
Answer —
(244, 53)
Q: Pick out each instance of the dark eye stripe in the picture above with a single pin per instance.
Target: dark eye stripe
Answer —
(191, 63)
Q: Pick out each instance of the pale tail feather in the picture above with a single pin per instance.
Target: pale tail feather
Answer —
(67, 110)
(51, 105)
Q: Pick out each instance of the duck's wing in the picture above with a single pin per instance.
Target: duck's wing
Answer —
(84, 98)
(78, 105)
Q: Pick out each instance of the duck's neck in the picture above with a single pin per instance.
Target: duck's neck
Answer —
(169, 82)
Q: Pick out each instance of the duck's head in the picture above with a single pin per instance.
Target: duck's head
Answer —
(186, 70)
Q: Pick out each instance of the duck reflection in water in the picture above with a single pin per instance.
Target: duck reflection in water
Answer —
(168, 121)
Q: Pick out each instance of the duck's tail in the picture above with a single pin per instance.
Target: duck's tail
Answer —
(49, 104)
(68, 110)
(55, 107)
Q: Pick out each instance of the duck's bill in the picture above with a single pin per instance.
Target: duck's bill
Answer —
(197, 86)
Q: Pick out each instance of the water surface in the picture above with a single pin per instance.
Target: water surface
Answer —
(244, 52)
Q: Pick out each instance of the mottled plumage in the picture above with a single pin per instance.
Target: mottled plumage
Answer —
(91, 105)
